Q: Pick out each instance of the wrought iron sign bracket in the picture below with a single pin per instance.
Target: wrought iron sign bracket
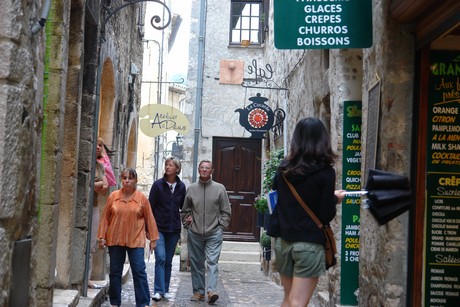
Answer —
(155, 21)
(277, 128)
(262, 77)
(263, 84)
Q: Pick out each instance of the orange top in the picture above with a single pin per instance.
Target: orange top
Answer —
(127, 223)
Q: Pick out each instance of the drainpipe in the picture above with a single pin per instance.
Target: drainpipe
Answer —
(160, 96)
(199, 88)
(44, 16)
(156, 152)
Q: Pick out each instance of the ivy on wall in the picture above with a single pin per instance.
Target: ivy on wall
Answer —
(269, 170)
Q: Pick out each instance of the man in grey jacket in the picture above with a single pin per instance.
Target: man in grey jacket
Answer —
(206, 213)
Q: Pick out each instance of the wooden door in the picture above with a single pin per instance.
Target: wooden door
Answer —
(237, 165)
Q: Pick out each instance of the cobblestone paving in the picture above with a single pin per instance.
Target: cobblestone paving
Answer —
(240, 284)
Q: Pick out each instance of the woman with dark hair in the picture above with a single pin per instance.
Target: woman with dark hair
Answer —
(166, 199)
(299, 245)
(126, 222)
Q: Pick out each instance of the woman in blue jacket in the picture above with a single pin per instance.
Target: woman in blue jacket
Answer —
(299, 245)
(166, 199)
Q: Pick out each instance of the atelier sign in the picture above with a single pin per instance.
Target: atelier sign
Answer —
(322, 24)
(156, 119)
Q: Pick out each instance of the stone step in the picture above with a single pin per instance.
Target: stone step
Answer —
(243, 252)
(241, 246)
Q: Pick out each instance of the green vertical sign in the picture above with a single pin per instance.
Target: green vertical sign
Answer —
(322, 24)
(442, 233)
(351, 181)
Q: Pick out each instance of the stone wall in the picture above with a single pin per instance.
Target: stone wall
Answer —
(319, 81)
(48, 112)
(383, 249)
(21, 115)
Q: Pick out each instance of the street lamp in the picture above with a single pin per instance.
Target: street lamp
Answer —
(176, 148)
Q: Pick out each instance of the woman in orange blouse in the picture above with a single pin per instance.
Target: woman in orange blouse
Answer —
(126, 222)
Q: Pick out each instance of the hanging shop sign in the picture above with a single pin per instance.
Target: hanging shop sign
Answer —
(156, 119)
(322, 24)
(261, 77)
(257, 117)
(442, 232)
(351, 204)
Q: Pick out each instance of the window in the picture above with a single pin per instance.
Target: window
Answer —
(248, 21)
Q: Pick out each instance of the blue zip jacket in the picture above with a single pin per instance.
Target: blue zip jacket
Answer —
(166, 205)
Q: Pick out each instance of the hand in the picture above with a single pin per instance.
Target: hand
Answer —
(152, 246)
(98, 185)
(340, 194)
(101, 242)
(187, 221)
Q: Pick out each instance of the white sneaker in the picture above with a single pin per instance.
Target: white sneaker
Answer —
(167, 296)
(156, 297)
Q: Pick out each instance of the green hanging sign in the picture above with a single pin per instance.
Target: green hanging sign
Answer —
(322, 24)
(351, 181)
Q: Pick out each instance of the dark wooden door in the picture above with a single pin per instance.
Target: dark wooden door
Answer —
(237, 165)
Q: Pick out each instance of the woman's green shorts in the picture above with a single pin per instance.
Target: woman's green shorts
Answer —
(299, 259)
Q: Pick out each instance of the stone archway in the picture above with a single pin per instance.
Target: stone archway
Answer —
(106, 132)
(107, 103)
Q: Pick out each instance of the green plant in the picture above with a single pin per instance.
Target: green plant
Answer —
(269, 170)
(265, 240)
(261, 204)
(270, 167)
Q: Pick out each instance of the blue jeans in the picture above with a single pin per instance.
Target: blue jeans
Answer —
(201, 249)
(137, 263)
(164, 253)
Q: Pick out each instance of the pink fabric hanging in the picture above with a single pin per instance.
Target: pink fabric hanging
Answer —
(108, 170)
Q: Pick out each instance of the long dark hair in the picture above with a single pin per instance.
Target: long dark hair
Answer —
(310, 147)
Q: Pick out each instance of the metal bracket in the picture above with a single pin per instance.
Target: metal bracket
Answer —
(277, 128)
(264, 84)
(155, 21)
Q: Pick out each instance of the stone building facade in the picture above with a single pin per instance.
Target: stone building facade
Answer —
(63, 83)
(211, 59)
(392, 268)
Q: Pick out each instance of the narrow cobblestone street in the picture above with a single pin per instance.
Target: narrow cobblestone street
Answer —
(241, 283)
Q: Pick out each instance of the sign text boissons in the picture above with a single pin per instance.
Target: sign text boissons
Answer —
(322, 24)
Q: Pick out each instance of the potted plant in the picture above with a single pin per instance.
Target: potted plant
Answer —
(260, 203)
(266, 244)
(269, 170)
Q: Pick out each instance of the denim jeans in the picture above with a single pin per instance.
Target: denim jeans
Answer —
(164, 253)
(137, 263)
(201, 249)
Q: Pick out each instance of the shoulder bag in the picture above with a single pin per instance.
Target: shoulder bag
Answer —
(274, 228)
(330, 249)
